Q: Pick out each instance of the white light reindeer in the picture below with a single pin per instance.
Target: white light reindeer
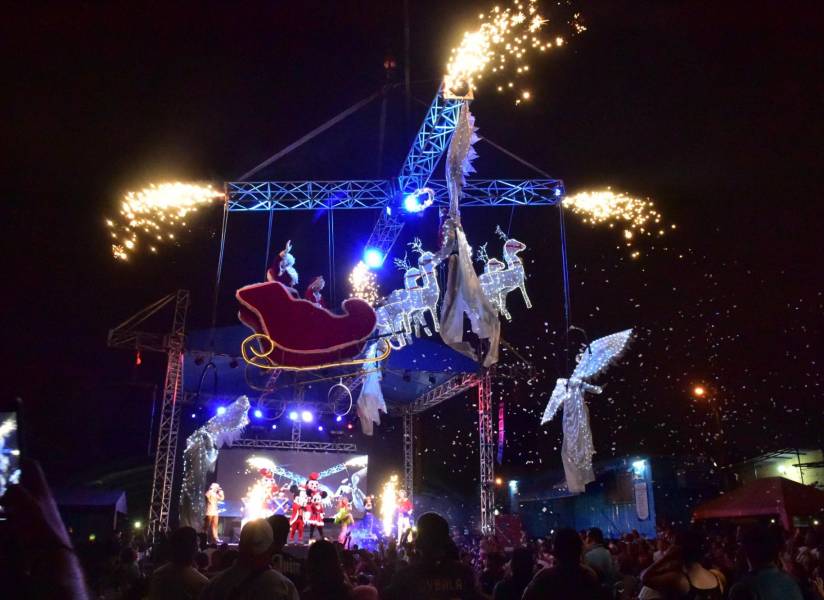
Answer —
(405, 308)
(497, 281)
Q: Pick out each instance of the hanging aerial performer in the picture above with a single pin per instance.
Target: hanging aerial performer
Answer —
(291, 331)
(464, 295)
(578, 448)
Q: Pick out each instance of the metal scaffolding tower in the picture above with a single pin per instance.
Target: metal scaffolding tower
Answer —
(487, 454)
(409, 451)
(126, 335)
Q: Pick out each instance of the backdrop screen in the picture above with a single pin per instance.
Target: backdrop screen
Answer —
(256, 482)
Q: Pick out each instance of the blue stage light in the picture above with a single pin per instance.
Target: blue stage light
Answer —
(258, 413)
(274, 426)
(320, 427)
(373, 258)
(339, 418)
(221, 410)
(293, 415)
(557, 192)
(306, 416)
(419, 200)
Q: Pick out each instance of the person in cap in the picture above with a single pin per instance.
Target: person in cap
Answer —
(252, 576)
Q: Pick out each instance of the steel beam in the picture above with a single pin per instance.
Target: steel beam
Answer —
(409, 452)
(487, 454)
(294, 445)
(268, 196)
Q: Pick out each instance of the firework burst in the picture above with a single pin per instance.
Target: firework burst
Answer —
(636, 217)
(153, 215)
(364, 284)
(501, 45)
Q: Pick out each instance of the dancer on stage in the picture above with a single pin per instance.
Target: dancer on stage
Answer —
(299, 513)
(316, 496)
(404, 514)
(213, 495)
(345, 519)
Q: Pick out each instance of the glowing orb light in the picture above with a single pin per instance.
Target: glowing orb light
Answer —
(373, 258)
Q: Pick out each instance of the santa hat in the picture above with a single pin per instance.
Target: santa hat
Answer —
(313, 476)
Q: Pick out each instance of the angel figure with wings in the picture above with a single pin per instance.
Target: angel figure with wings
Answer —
(578, 449)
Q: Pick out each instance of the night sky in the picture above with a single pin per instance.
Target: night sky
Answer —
(711, 109)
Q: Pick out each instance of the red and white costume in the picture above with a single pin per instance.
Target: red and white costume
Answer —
(299, 512)
(315, 501)
(404, 514)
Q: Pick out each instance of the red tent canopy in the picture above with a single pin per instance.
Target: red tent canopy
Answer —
(763, 497)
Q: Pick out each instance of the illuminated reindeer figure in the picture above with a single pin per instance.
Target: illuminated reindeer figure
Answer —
(498, 279)
(405, 308)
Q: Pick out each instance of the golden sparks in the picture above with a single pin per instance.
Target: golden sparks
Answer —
(154, 213)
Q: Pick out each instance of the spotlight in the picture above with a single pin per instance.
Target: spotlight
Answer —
(373, 258)
(306, 416)
(339, 418)
(221, 410)
(274, 426)
(258, 413)
(137, 524)
(419, 200)
(558, 192)
(293, 415)
(194, 415)
(349, 425)
(320, 427)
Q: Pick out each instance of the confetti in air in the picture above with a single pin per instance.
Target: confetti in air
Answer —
(501, 45)
(636, 216)
(151, 216)
(364, 284)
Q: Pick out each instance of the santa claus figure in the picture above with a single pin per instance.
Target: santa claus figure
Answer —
(404, 514)
(299, 513)
(316, 496)
(283, 268)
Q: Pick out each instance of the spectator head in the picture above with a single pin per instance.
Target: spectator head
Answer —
(256, 543)
(595, 536)
(364, 592)
(323, 567)
(183, 546)
(692, 547)
(567, 547)
(523, 563)
(280, 531)
(128, 555)
(761, 545)
(433, 535)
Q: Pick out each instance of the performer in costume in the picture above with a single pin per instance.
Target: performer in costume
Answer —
(316, 496)
(283, 267)
(404, 514)
(299, 512)
(213, 495)
(369, 515)
(313, 291)
(345, 519)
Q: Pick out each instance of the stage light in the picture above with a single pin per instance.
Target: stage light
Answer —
(373, 258)
(293, 415)
(349, 425)
(699, 391)
(274, 426)
(92, 537)
(258, 413)
(339, 418)
(638, 466)
(499, 481)
(558, 192)
(320, 427)
(496, 512)
(419, 200)
(221, 410)
(137, 525)
(513, 486)
(306, 416)
(194, 415)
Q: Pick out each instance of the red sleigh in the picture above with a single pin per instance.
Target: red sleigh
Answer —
(291, 332)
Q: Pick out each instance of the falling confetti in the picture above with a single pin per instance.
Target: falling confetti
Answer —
(151, 216)
(501, 45)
